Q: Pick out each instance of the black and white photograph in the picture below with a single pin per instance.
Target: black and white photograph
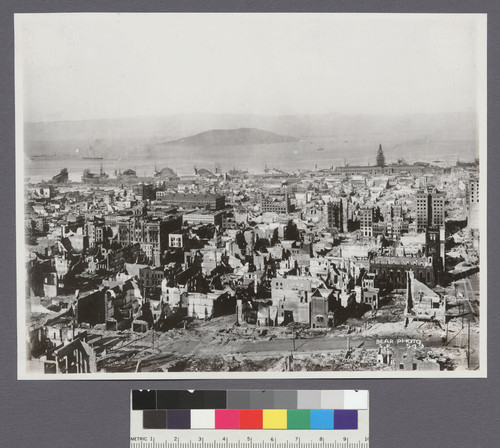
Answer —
(255, 195)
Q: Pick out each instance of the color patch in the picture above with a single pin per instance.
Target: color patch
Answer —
(332, 399)
(154, 419)
(321, 419)
(214, 399)
(143, 399)
(227, 419)
(262, 399)
(192, 399)
(178, 419)
(285, 399)
(250, 419)
(202, 419)
(168, 399)
(197, 399)
(346, 419)
(238, 399)
(298, 419)
(274, 419)
(249, 409)
(356, 399)
(309, 399)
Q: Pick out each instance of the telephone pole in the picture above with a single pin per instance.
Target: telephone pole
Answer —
(468, 343)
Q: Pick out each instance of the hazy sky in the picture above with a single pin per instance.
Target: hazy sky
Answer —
(80, 66)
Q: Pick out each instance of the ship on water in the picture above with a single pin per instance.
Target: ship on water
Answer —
(164, 173)
(94, 178)
(91, 154)
(126, 174)
(61, 178)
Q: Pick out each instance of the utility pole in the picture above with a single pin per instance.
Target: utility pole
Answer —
(468, 343)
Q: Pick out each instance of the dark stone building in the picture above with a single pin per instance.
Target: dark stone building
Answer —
(391, 271)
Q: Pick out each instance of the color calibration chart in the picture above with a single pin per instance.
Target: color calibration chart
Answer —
(249, 419)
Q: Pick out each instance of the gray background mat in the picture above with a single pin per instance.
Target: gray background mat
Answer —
(403, 413)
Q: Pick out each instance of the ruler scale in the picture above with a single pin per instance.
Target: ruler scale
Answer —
(353, 442)
(249, 419)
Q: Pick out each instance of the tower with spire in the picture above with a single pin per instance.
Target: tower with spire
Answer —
(380, 157)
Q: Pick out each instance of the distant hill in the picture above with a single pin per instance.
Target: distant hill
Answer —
(232, 137)
(122, 137)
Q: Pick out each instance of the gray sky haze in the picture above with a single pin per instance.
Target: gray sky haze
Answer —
(93, 66)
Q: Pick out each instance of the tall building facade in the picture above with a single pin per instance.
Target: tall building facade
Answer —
(473, 202)
(335, 215)
(192, 200)
(152, 235)
(276, 201)
(429, 209)
(366, 221)
(434, 248)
